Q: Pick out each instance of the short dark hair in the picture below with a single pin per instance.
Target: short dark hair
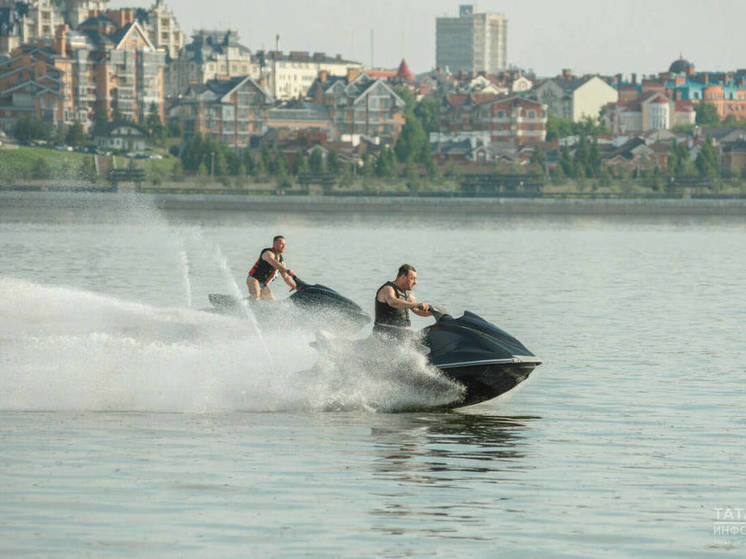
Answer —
(404, 269)
(277, 238)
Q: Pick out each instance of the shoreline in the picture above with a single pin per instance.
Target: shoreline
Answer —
(379, 204)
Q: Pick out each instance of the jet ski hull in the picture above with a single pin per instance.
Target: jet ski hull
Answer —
(486, 360)
(484, 382)
(316, 306)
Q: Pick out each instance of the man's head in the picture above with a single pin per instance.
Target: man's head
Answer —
(278, 244)
(406, 277)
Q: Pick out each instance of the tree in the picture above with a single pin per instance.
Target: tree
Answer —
(267, 161)
(116, 114)
(386, 165)
(707, 114)
(409, 100)
(28, 129)
(316, 161)
(155, 127)
(413, 144)
(595, 158)
(582, 158)
(558, 128)
(174, 128)
(87, 170)
(101, 117)
(332, 162)
(300, 165)
(707, 161)
(566, 162)
(75, 135)
(427, 111)
(678, 157)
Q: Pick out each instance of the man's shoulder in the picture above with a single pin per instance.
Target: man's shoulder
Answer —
(385, 288)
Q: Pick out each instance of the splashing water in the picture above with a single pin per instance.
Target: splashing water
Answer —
(64, 349)
(187, 280)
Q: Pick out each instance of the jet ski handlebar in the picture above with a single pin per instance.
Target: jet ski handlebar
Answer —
(439, 312)
(299, 283)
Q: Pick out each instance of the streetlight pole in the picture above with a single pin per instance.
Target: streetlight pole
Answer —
(212, 163)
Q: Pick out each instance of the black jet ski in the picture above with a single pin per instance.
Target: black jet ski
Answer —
(476, 354)
(486, 360)
(321, 305)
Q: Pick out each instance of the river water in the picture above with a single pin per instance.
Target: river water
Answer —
(132, 424)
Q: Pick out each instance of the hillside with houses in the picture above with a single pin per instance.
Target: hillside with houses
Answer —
(128, 89)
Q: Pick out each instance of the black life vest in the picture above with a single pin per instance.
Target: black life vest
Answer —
(389, 316)
(263, 271)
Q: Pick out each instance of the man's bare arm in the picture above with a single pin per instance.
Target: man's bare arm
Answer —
(390, 298)
(289, 279)
(269, 257)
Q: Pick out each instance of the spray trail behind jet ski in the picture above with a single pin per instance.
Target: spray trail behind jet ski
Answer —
(65, 349)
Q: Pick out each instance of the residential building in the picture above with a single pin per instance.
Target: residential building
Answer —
(512, 119)
(654, 112)
(106, 64)
(289, 76)
(636, 155)
(481, 84)
(473, 42)
(231, 111)
(301, 116)
(75, 12)
(358, 104)
(574, 98)
(22, 23)
(162, 28)
(211, 55)
(456, 111)
(734, 158)
(119, 136)
(508, 119)
(36, 83)
(119, 64)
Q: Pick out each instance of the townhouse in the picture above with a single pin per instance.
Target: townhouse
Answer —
(230, 111)
(359, 104)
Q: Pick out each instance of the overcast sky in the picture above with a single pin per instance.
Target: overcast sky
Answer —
(588, 36)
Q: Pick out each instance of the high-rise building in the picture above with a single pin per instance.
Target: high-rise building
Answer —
(472, 42)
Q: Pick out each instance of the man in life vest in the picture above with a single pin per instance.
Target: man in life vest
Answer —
(394, 300)
(265, 269)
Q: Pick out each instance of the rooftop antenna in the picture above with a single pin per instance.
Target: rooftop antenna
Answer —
(372, 46)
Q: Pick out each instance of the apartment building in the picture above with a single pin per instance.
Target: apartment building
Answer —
(575, 98)
(290, 76)
(473, 42)
(36, 83)
(211, 55)
(512, 119)
(27, 22)
(655, 111)
(75, 12)
(231, 111)
(359, 104)
(162, 28)
(118, 63)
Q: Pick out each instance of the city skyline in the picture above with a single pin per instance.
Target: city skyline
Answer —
(543, 38)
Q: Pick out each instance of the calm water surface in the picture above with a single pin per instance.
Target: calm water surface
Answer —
(134, 425)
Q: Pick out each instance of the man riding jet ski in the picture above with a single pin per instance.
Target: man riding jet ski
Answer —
(318, 306)
(481, 357)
